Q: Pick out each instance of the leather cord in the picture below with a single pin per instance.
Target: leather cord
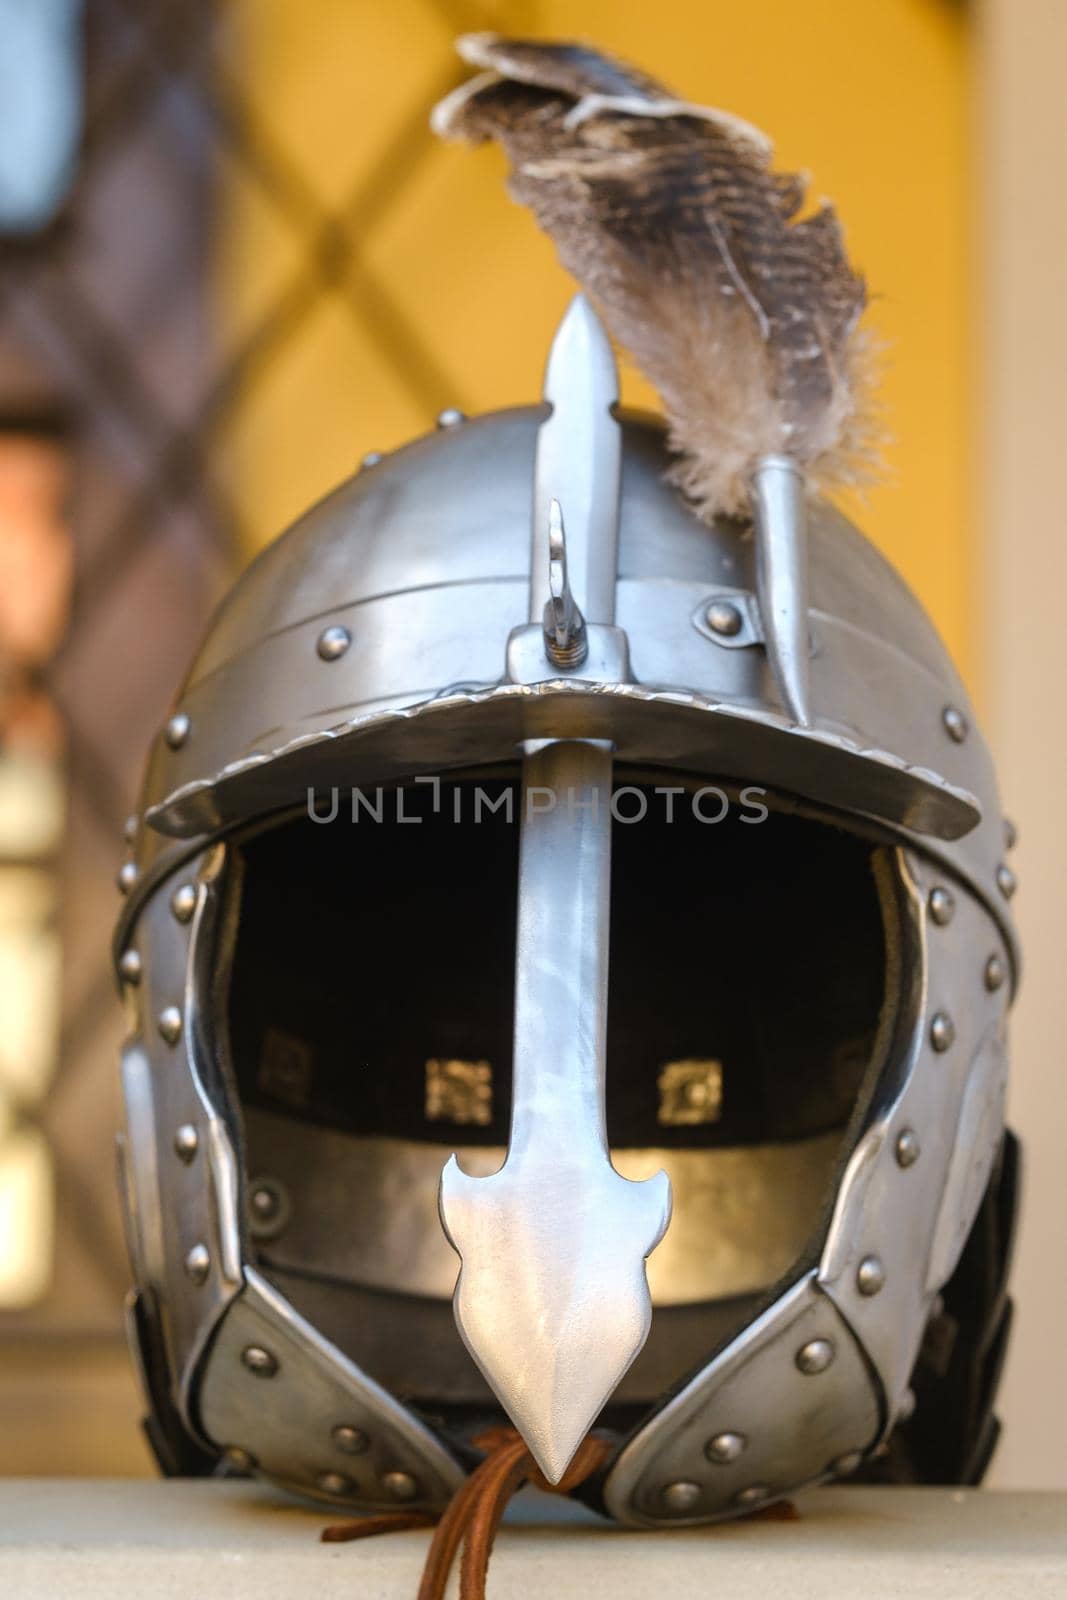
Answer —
(474, 1513)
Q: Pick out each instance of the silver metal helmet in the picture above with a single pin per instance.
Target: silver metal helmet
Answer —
(523, 851)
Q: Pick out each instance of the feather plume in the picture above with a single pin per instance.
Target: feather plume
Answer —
(741, 312)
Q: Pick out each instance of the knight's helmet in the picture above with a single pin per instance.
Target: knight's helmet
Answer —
(526, 850)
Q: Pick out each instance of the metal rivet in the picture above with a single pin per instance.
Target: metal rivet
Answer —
(333, 642)
(264, 1202)
(907, 1148)
(994, 973)
(846, 1465)
(815, 1356)
(239, 1460)
(186, 1142)
(942, 905)
(371, 459)
(400, 1485)
(258, 1361)
(183, 902)
(130, 966)
(906, 1408)
(870, 1276)
(129, 830)
(127, 876)
(170, 1024)
(725, 1447)
(334, 1483)
(268, 1208)
(955, 724)
(942, 1031)
(351, 1441)
(450, 417)
(1006, 880)
(752, 1495)
(1011, 834)
(678, 1498)
(722, 617)
(198, 1263)
(177, 730)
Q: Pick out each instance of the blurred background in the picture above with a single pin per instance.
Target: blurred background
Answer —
(232, 261)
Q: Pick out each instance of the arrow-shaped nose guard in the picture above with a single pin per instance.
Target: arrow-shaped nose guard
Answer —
(552, 1299)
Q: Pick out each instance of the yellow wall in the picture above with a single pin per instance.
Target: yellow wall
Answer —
(869, 96)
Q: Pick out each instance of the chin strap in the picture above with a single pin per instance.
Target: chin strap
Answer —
(474, 1513)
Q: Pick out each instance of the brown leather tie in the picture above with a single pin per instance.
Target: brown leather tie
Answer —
(473, 1514)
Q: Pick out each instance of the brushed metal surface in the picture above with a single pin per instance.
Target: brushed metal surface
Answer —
(779, 515)
(795, 1423)
(579, 456)
(426, 561)
(286, 1419)
(364, 1210)
(552, 1299)
(915, 1216)
(173, 1204)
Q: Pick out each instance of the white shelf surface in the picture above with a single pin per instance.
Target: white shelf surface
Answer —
(143, 1540)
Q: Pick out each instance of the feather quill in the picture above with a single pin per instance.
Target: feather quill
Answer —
(740, 311)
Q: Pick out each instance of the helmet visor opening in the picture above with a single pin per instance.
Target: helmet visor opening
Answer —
(370, 1013)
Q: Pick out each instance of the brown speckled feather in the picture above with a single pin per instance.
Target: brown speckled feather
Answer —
(742, 314)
